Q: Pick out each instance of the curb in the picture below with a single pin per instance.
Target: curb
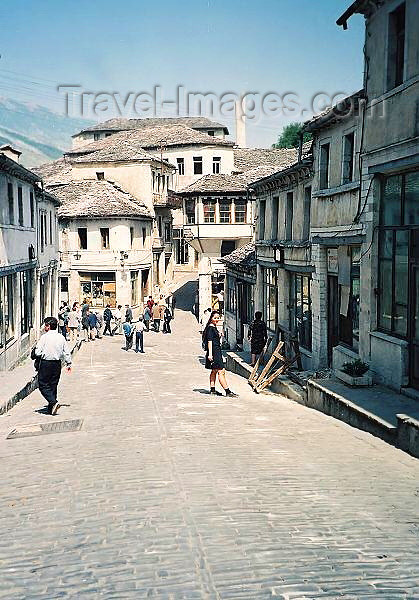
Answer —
(29, 387)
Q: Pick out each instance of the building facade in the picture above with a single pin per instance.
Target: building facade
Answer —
(389, 199)
(28, 258)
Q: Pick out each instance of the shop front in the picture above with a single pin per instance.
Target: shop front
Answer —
(99, 289)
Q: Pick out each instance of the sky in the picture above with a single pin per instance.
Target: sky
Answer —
(283, 51)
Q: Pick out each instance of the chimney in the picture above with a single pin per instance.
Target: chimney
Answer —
(240, 124)
(10, 152)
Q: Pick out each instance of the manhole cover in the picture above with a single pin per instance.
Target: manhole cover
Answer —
(45, 429)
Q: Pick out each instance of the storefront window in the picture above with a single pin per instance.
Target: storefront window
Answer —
(26, 301)
(300, 309)
(98, 288)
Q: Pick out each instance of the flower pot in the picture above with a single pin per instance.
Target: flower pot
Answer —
(363, 381)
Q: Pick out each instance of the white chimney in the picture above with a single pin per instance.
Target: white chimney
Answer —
(10, 152)
(240, 124)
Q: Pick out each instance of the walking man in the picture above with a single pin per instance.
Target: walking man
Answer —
(139, 336)
(51, 348)
(128, 313)
(156, 317)
(107, 317)
(92, 325)
(166, 320)
(173, 306)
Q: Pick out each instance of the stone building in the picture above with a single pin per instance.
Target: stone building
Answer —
(389, 199)
(284, 262)
(336, 234)
(28, 258)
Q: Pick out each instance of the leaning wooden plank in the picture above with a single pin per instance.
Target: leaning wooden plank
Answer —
(270, 361)
(282, 369)
(259, 361)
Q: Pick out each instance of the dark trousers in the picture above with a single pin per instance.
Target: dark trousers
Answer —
(107, 328)
(128, 341)
(166, 327)
(156, 324)
(48, 378)
(147, 325)
(63, 329)
(139, 341)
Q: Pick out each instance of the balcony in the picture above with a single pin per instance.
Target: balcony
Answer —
(167, 200)
(104, 259)
(225, 231)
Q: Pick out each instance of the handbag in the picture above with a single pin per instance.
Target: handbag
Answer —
(36, 359)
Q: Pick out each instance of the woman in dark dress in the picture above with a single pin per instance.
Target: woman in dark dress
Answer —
(214, 358)
(257, 336)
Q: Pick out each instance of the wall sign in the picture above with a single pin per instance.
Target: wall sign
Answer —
(332, 260)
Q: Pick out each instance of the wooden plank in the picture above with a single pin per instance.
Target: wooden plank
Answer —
(259, 360)
(268, 364)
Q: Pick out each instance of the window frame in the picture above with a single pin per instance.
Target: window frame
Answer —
(324, 166)
(180, 165)
(299, 300)
(11, 202)
(348, 158)
(209, 209)
(20, 211)
(216, 165)
(198, 165)
(84, 229)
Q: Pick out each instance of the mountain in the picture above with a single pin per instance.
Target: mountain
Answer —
(39, 133)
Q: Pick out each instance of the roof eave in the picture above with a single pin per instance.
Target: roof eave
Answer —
(349, 12)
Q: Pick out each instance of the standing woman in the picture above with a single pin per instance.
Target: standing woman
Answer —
(74, 322)
(214, 358)
(257, 335)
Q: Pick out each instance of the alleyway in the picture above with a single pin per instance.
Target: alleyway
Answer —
(167, 492)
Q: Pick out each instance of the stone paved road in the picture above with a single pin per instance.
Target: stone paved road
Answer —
(167, 492)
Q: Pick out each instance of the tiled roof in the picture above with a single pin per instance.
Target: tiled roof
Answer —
(248, 158)
(125, 124)
(125, 149)
(243, 258)
(219, 184)
(94, 198)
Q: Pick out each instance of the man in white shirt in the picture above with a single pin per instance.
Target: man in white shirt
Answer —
(117, 315)
(52, 347)
(139, 336)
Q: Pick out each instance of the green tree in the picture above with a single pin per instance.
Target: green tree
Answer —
(290, 136)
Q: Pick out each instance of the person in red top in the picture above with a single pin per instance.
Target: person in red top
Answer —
(150, 302)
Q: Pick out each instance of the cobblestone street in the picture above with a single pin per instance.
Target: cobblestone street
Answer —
(167, 492)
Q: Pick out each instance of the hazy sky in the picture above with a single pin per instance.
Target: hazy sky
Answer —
(219, 46)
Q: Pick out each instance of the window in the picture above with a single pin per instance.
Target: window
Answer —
(262, 210)
(300, 309)
(231, 295)
(349, 299)
(181, 166)
(51, 229)
(42, 231)
(209, 210)
(160, 225)
(131, 235)
(144, 233)
(11, 203)
(134, 288)
(348, 158)
(25, 301)
(181, 247)
(240, 210)
(307, 213)
(104, 235)
(227, 246)
(197, 165)
(7, 326)
(82, 231)
(396, 43)
(275, 211)
(32, 209)
(96, 136)
(98, 288)
(108, 134)
(225, 210)
(190, 211)
(64, 285)
(100, 175)
(324, 166)
(211, 133)
(167, 233)
(216, 165)
(289, 215)
(270, 297)
(20, 205)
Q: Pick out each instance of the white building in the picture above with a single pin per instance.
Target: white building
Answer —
(28, 258)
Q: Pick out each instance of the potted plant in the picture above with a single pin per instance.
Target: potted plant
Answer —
(355, 373)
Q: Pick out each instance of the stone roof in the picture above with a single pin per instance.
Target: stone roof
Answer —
(121, 124)
(222, 184)
(249, 158)
(57, 171)
(123, 150)
(93, 198)
(139, 140)
(346, 108)
(243, 258)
